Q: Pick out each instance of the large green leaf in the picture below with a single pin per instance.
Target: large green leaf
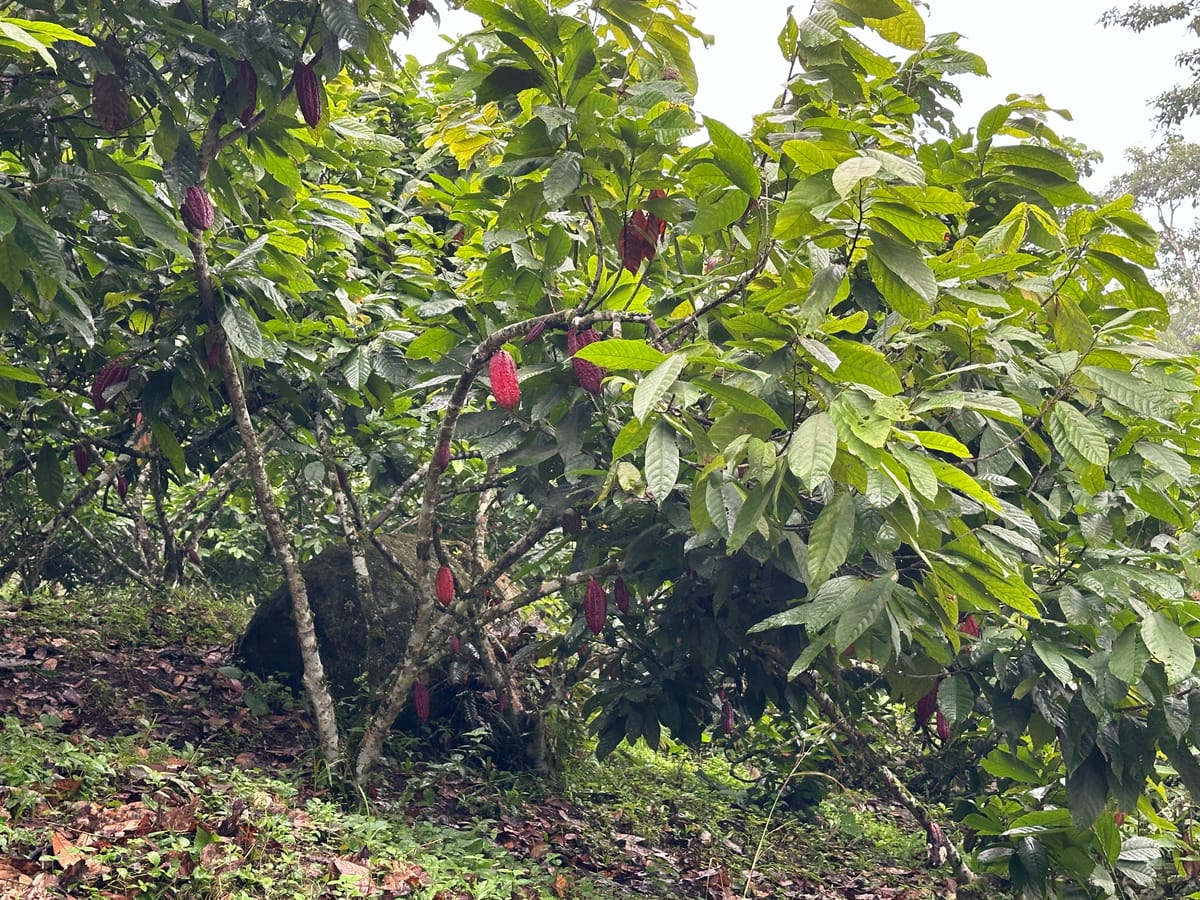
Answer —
(733, 155)
(830, 538)
(813, 449)
(655, 386)
(740, 400)
(863, 611)
(662, 461)
(1170, 645)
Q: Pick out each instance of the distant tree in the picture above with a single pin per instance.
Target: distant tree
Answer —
(1183, 100)
(1164, 179)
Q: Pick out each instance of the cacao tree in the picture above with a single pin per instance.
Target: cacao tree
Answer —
(868, 392)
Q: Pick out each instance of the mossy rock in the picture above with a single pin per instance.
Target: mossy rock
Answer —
(270, 646)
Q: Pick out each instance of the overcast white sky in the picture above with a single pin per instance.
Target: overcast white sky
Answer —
(1105, 77)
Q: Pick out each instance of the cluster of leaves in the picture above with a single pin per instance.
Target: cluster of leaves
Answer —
(879, 375)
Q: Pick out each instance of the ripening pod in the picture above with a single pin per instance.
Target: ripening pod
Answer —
(969, 626)
(193, 556)
(633, 243)
(443, 584)
(122, 486)
(82, 458)
(503, 373)
(421, 702)
(455, 645)
(110, 103)
(926, 707)
(214, 356)
(441, 456)
(572, 522)
(621, 594)
(108, 382)
(589, 375)
(535, 332)
(726, 716)
(416, 9)
(943, 726)
(197, 209)
(247, 83)
(308, 93)
(595, 606)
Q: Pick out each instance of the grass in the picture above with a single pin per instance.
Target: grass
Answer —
(168, 777)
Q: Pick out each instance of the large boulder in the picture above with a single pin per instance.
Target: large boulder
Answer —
(349, 650)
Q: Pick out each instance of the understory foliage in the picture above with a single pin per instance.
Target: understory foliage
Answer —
(868, 395)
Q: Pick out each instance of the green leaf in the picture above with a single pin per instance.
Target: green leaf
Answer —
(874, 9)
(720, 210)
(13, 373)
(168, 444)
(943, 443)
(956, 698)
(623, 353)
(655, 386)
(1170, 645)
(902, 277)
(662, 461)
(905, 29)
(734, 157)
(750, 517)
(813, 449)
(830, 538)
(956, 478)
(634, 433)
(48, 474)
(242, 330)
(862, 364)
(562, 179)
(863, 611)
(724, 501)
(740, 400)
(1087, 790)
(1128, 658)
(1069, 427)
(344, 21)
(847, 175)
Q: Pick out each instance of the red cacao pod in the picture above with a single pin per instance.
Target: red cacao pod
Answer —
(1118, 818)
(110, 103)
(621, 594)
(421, 701)
(441, 457)
(122, 486)
(82, 458)
(534, 333)
(443, 584)
(943, 726)
(589, 375)
(572, 523)
(108, 382)
(455, 645)
(633, 243)
(193, 556)
(247, 83)
(214, 356)
(308, 93)
(726, 716)
(197, 209)
(416, 9)
(969, 626)
(926, 707)
(595, 606)
(503, 373)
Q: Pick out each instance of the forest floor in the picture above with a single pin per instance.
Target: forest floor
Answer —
(137, 762)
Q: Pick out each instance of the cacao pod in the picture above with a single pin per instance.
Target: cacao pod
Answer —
(503, 373)
(443, 584)
(535, 332)
(621, 594)
(193, 556)
(726, 716)
(82, 458)
(1118, 818)
(342, 480)
(455, 645)
(110, 103)
(214, 356)
(589, 375)
(926, 707)
(308, 93)
(595, 606)
(969, 626)
(122, 486)
(247, 82)
(633, 243)
(421, 702)
(572, 523)
(108, 382)
(197, 209)
(416, 9)
(441, 458)
(943, 726)
(116, 55)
